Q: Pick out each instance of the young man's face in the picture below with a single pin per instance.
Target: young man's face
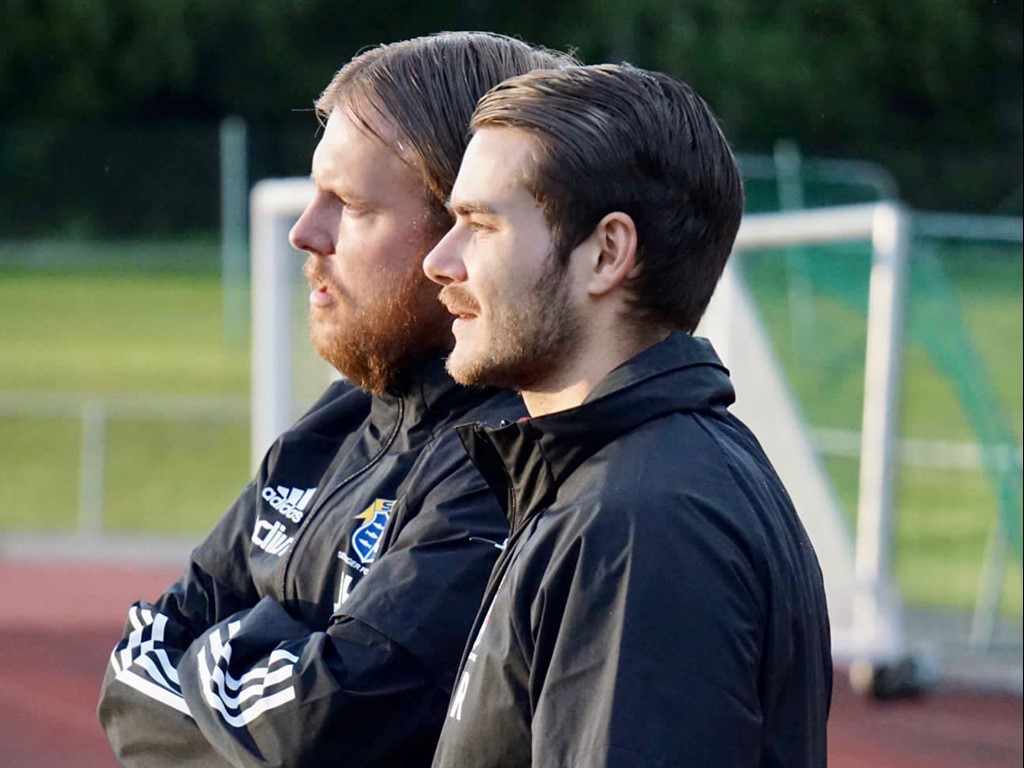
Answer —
(372, 313)
(516, 317)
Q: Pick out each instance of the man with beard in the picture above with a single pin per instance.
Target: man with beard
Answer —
(658, 602)
(320, 622)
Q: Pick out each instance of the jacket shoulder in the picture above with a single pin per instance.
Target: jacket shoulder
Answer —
(341, 406)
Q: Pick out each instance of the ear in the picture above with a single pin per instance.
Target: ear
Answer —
(613, 256)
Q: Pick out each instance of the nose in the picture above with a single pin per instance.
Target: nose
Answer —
(312, 232)
(444, 264)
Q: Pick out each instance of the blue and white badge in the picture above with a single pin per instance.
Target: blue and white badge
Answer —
(366, 539)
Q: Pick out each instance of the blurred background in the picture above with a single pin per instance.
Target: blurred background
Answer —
(131, 133)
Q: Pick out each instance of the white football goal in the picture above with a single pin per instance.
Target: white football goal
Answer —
(856, 560)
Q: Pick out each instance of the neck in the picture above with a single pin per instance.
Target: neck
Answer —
(572, 384)
(543, 402)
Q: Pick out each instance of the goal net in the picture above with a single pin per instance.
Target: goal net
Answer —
(810, 319)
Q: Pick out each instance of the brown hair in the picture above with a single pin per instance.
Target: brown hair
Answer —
(427, 87)
(619, 138)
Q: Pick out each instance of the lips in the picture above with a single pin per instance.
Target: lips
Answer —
(320, 297)
(321, 293)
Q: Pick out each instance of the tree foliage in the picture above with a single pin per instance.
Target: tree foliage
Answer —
(872, 78)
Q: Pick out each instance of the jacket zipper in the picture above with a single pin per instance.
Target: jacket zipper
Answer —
(323, 501)
(501, 566)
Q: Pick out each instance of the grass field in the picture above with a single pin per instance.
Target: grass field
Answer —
(119, 333)
(99, 330)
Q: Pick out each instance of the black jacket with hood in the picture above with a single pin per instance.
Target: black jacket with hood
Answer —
(658, 602)
(321, 621)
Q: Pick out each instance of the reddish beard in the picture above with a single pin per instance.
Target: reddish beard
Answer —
(378, 345)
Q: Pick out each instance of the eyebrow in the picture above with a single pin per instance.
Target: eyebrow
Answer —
(470, 207)
(343, 194)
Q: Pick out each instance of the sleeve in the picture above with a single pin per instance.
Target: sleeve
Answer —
(372, 690)
(645, 647)
(141, 709)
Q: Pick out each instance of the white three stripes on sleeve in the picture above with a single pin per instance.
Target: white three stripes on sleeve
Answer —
(241, 700)
(140, 661)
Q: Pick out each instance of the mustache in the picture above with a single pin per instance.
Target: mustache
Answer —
(311, 269)
(458, 300)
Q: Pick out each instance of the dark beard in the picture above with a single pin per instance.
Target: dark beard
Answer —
(379, 348)
(537, 339)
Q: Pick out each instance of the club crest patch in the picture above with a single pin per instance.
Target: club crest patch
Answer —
(366, 539)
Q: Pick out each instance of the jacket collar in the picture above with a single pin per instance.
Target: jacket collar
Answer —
(525, 462)
(425, 399)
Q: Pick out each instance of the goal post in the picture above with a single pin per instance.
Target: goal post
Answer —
(863, 602)
(275, 205)
(864, 605)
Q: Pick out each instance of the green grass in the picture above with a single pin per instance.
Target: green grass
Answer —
(116, 333)
(942, 523)
(942, 529)
(39, 460)
(988, 288)
(110, 325)
(173, 477)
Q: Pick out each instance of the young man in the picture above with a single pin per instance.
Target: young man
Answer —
(321, 621)
(658, 602)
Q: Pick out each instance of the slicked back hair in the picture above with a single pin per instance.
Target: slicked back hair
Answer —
(619, 138)
(427, 88)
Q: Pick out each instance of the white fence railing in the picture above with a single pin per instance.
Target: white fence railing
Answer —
(95, 412)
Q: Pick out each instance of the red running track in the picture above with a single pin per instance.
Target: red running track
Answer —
(59, 622)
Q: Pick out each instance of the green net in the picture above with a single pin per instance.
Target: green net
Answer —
(959, 476)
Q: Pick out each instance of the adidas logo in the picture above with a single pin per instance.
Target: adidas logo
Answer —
(290, 502)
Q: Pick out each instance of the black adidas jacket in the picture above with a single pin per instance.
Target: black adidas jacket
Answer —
(658, 602)
(321, 621)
